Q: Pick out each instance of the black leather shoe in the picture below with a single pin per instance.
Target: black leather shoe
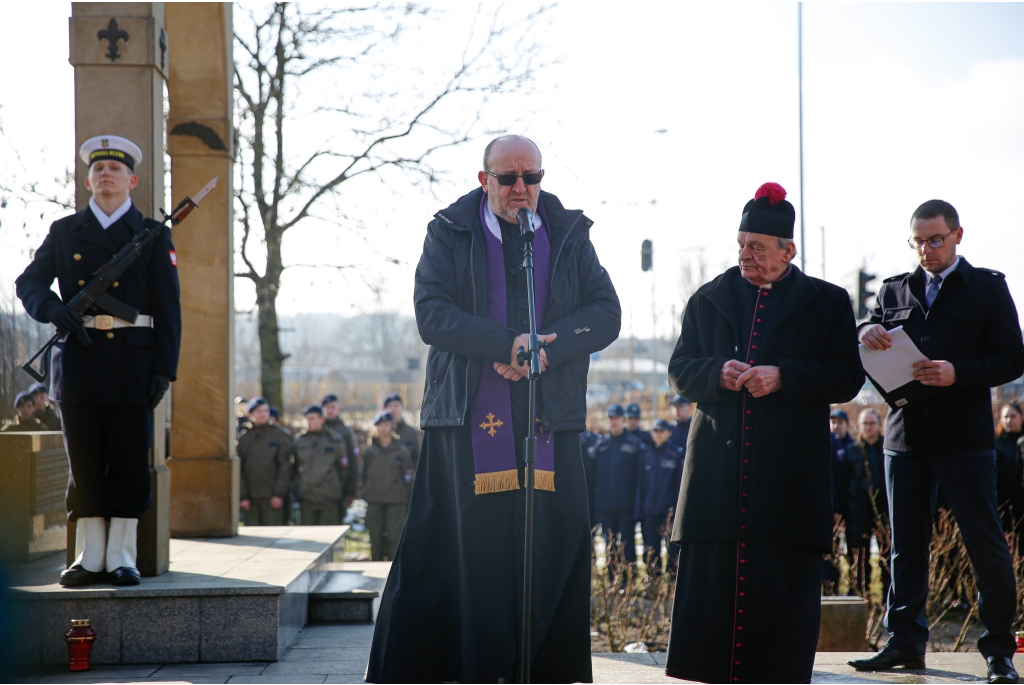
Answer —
(1000, 670)
(125, 576)
(890, 657)
(76, 576)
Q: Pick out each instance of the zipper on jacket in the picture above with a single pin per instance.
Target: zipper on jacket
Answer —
(559, 253)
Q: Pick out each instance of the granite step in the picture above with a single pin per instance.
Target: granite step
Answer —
(344, 597)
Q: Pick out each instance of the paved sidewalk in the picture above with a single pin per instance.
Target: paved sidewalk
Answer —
(338, 653)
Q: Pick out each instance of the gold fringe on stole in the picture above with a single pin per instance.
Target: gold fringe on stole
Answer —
(497, 481)
(544, 480)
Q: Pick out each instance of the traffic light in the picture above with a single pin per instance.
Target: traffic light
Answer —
(863, 278)
(646, 255)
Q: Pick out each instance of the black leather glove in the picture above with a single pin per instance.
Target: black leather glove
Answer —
(66, 319)
(157, 389)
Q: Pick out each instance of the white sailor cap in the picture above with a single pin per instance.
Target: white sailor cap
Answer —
(110, 147)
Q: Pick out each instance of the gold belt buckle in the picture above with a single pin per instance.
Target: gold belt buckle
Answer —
(104, 322)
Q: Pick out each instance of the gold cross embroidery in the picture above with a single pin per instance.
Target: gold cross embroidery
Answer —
(540, 425)
(490, 424)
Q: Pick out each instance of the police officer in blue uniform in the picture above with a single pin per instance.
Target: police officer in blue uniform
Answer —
(588, 441)
(107, 390)
(964, 320)
(681, 428)
(633, 416)
(616, 459)
(657, 490)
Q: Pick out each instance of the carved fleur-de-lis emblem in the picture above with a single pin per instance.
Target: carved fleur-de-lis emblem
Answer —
(112, 34)
(491, 424)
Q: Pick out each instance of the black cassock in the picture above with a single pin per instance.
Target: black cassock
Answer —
(452, 607)
(754, 513)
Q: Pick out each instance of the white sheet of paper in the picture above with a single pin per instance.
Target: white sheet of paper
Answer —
(893, 367)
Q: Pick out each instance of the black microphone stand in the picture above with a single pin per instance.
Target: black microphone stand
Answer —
(532, 358)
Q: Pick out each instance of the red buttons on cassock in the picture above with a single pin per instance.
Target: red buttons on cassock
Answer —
(753, 347)
(742, 595)
(739, 627)
(742, 578)
(743, 561)
(746, 444)
(750, 411)
(745, 477)
(743, 527)
(738, 644)
(760, 306)
(759, 321)
(746, 461)
(756, 334)
(746, 428)
(752, 361)
(743, 544)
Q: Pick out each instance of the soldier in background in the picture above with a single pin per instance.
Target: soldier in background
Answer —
(615, 493)
(266, 469)
(407, 435)
(25, 407)
(633, 417)
(45, 411)
(684, 412)
(324, 481)
(657, 491)
(387, 482)
(333, 421)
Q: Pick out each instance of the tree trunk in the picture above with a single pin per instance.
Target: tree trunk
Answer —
(271, 356)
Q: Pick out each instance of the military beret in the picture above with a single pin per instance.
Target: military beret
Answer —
(255, 403)
(839, 414)
(679, 399)
(616, 410)
(769, 213)
(393, 397)
(39, 387)
(662, 425)
(633, 411)
(383, 416)
(313, 409)
(329, 398)
(275, 412)
(22, 397)
(110, 147)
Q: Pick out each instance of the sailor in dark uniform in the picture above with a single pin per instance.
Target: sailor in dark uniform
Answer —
(764, 351)
(107, 390)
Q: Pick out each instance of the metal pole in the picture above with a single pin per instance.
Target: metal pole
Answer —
(800, 79)
(654, 346)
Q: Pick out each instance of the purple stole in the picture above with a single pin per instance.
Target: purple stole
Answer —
(490, 416)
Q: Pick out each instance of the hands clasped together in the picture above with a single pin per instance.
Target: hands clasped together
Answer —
(759, 380)
(934, 372)
(513, 371)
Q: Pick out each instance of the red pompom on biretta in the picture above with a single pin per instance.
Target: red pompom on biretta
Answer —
(773, 191)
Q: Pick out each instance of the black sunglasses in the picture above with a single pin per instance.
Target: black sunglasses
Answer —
(531, 179)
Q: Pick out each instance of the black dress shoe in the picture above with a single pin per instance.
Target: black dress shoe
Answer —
(76, 576)
(1000, 670)
(125, 575)
(890, 657)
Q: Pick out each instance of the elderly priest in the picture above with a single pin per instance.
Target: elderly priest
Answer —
(764, 350)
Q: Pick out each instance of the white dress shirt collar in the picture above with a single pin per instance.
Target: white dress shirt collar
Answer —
(108, 221)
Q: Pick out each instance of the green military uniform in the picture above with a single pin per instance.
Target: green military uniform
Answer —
(410, 438)
(387, 482)
(266, 471)
(323, 465)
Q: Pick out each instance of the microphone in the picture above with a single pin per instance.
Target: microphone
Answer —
(525, 217)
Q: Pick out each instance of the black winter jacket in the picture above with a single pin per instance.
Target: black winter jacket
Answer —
(451, 313)
(813, 341)
(973, 324)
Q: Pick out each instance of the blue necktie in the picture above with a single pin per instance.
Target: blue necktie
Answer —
(933, 290)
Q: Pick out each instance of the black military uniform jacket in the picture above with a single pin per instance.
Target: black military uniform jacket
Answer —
(120, 364)
(973, 324)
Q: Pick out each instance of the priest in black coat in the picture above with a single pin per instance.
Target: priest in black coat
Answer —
(763, 352)
(452, 607)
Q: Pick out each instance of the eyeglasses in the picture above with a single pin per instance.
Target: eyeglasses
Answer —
(530, 179)
(934, 243)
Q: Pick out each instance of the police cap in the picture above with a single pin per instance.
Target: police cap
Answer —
(393, 397)
(839, 414)
(633, 411)
(275, 412)
(662, 425)
(331, 397)
(679, 399)
(313, 409)
(110, 147)
(255, 403)
(383, 416)
(616, 410)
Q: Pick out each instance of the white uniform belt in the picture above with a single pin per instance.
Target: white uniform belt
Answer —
(106, 323)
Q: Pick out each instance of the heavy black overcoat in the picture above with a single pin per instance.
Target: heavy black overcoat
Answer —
(813, 341)
(115, 369)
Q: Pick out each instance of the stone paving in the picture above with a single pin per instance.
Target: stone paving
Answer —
(338, 653)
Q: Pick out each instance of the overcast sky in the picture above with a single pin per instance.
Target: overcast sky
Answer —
(660, 120)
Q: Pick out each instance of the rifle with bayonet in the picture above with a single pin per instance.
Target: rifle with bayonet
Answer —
(94, 293)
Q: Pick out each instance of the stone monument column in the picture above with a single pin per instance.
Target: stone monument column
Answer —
(200, 141)
(119, 52)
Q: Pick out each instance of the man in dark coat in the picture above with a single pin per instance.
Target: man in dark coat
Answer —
(964, 320)
(764, 351)
(107, 390)
(452, 606)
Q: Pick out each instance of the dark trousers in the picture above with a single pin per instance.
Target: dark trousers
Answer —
(262, 514)
(108, 452)
(620, 525)
(385, 523)
(315, 514)
(654, 528)
(970, 487)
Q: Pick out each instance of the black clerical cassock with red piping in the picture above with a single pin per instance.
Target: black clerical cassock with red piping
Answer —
(754, 514)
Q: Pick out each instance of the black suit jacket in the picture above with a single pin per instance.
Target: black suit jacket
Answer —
(117, 369)
(813, 341)
(972, 323)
